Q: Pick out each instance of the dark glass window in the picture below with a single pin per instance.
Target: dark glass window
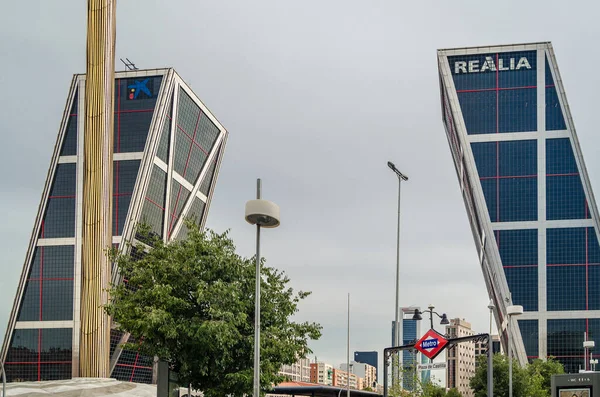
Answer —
(559, 157)
(54, 290)
(518, 110)
(566, 246)
(566, 287)
(179, 196)
(134, 107)
(154, 204)
(59, 220)
(554, 116)
(194, 138)
(69, 145)
(565, 342)
(479, 111)
(518, 199)
(486, 158)
(518, 247)
(564, 191)
(208, 177)
(133, 367)
(39, 354)
(523, 285)
(490, 193)
(195, 214)
(565, 198)
(163, 146)
(124, 176)
(529, 333)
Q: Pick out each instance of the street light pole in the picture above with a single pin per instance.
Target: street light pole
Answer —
(514, 310)
(266, 214)
(401, 177)
(491, 307)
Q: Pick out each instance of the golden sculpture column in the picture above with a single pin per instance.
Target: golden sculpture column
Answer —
(94, 346)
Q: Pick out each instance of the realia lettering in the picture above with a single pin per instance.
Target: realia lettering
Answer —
(489, 65)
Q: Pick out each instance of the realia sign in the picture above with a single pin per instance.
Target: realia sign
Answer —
(491, 64)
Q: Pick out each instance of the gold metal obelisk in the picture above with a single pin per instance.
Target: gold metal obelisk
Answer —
(94, 346)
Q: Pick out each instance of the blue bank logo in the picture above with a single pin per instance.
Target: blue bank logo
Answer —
(139, 87)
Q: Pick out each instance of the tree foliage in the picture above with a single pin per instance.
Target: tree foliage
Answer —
(531, 381)
(191, 303)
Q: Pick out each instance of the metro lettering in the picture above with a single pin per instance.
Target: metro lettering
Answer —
(428, 344)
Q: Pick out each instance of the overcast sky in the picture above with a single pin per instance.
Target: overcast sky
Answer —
(317, 97)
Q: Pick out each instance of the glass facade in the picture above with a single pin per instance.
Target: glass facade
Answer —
(523, 180)
(143, 129)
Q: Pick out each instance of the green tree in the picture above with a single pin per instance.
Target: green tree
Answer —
(531, 381)
(191, 303)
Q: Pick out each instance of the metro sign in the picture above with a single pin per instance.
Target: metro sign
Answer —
(431, 344)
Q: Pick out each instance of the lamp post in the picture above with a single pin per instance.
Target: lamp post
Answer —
(417, 316)
(491, 307)
(514, 310)
(587, 345)
(261, 213)
(401, 177)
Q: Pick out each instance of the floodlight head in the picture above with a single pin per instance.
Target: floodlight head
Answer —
(392, 166)
(491, 305)
(262, 213)
(417, 315)
(444, 319)
(588, 344)
(514, 310)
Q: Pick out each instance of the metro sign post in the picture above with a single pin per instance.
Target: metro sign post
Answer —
(431, 344)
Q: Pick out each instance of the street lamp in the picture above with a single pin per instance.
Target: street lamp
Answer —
(587, 345)
(491, 307)
(514, 310)
(401, 177)
(261, 213)
(417, 316)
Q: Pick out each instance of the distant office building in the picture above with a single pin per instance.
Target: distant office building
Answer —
(321, 373)
(341, 378)
(166, 156)
(363, 371)
(527, 194)
(297, 372)
(461, 358)
(410, 332)
(370, 358)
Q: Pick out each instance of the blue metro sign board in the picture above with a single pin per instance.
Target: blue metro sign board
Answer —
(431, 344)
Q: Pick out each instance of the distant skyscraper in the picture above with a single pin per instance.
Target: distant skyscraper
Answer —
(410, 331)
(167, 152)
(461, 358)
(368, 358)
(527, 194)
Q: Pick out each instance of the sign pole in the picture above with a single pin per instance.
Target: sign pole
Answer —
(490, 374)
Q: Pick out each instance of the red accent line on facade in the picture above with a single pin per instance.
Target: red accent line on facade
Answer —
(137, 355)
(134, 110)
(39, 363)
(568, 174)
(61, 197)
(35, 363)
(152, 202)
(483, 178)
(514, 266)
(497, 143)
(586, 276)
(133, 366)
(51, 279)
(573, 264)
(73, 114)
(119, 118)
(116, 197)
(41, 275)
(498, 88)
(123, 194)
